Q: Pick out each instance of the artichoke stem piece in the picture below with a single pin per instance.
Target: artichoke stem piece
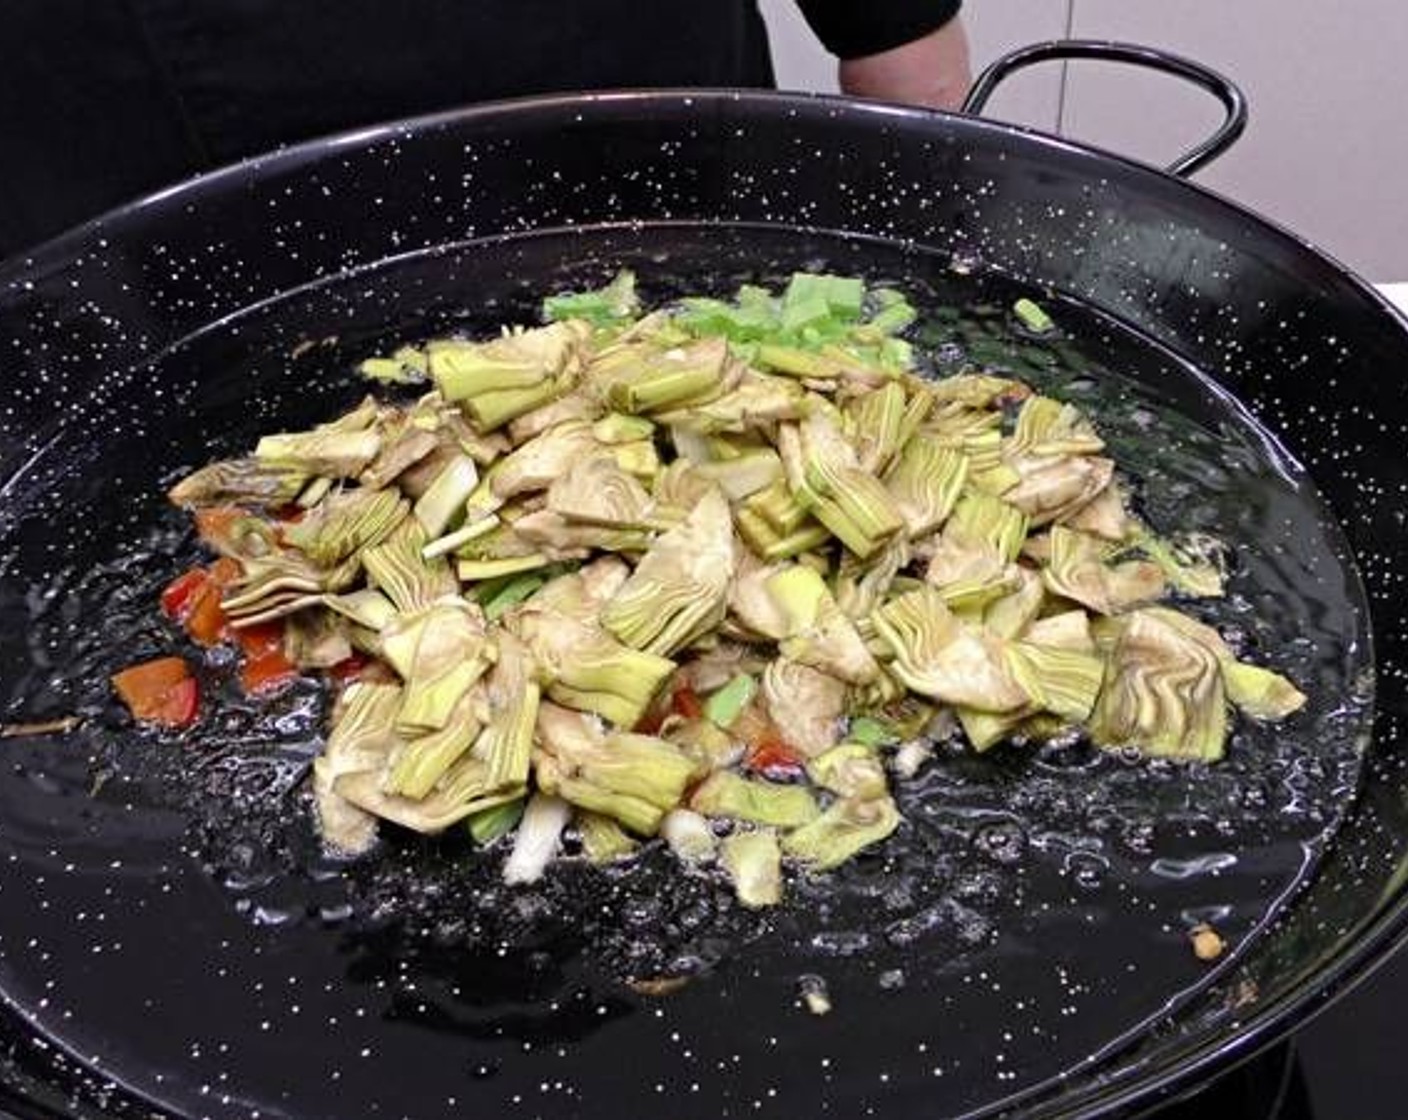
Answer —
(848, 826)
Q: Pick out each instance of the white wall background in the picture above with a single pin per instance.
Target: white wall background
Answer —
(1326, 151)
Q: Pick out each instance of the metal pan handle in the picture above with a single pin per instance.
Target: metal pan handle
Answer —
(1234, 101)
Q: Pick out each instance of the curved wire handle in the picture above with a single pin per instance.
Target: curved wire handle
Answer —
(1234, 101)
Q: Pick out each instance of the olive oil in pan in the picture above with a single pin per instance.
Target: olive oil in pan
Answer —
(1038, 899)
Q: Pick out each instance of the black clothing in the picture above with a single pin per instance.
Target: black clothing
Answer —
(104, 100)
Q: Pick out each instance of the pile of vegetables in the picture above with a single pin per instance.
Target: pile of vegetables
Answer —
(697, 574)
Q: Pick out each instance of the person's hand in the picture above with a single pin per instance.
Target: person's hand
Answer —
(933, 71)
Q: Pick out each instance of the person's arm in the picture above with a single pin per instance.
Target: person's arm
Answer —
(933, 70)
(913, 51)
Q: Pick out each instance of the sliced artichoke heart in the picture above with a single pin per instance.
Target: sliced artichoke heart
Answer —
(346, 521)
(253, 480)
(1077, 569)
(678, 589)
(1163, 693)
(597, 491)
(941, 657)
(816, 631)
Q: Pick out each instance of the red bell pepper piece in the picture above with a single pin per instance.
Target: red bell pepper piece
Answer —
(160, 691)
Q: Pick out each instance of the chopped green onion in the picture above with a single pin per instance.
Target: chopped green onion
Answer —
(725, 705)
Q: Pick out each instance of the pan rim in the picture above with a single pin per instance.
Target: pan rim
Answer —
(1364, 950)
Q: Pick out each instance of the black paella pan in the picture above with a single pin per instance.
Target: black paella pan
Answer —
(171, 941)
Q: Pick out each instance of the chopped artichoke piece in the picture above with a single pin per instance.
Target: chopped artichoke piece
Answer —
(471, 571)
(795, 362)
(677, 489)
(860, 589)
(362, 738)
(633, 778)
(519, 360)
(1192, 566)
(1049, 428)
(1010, 615)
(1055, 490)
(280, 584)
(420, 763)
(314, 492)
(599, 492)
(398, 568)
(995, 481)
(767, 543)
(257, 481)
(1067, 630)
(580, 595)
(776, 505)
(876, 426)
(754, 863)
(512, 697)
(1260, 693)
(677, 591)
(603, 840)
(1163, 693)
(316, 639)
(726, 794)
(461, 794)
(643, 766)
(978, 390)
(817, 632)
(536, 464)
(939, 656)
(850, 770)
(367, 608)
(980, 521)
(744, 476)
(851, 503)
(985, 730)
(1077, 570)
(493, 410)
(344, 522)
(580, 405)
(756, 401)
(1061, 681)
(586, 668)
(556, 538)
(847, 827)
(330, 451)
(401, 449)
(808, 703)
(439, 652)
(1105, 516)
(925, 482)
(638, 815)
(663, 381)
(444, 502)
(618, 427)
